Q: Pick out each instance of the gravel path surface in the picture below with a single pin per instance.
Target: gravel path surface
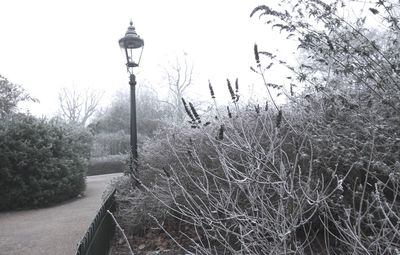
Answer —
(54, 230)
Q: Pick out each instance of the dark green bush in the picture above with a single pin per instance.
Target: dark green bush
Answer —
(41, 162)
(107, 165)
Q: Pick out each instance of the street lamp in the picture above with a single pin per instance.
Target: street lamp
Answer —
(133, 47)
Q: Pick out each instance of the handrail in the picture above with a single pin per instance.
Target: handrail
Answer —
(96, 240)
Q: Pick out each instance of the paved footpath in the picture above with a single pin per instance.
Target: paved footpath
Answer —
(55, 230)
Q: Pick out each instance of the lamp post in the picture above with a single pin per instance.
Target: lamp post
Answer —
(133, 47)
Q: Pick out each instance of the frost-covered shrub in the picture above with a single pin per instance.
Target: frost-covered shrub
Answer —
(105, 144)
(317, 175)
(260, 181)
(41, 162)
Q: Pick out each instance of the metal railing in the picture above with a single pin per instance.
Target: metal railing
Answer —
(97, 238)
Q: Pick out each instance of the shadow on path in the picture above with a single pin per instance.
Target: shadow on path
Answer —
(53, 230)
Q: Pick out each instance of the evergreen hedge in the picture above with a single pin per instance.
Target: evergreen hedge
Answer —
(41, 162)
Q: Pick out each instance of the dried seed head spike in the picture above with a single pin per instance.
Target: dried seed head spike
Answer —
(257, 108)
(194, 112)
(231, 90)
(291, 89)
(221, 132)
(237, 90)
(266, 106)
(252, 69)
(279, 119)
(211, 90)
(187, 110)
(237, 85)
(257, 57)
(229, 112)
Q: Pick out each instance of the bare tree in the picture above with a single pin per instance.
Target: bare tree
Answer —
(78, 106)
(179, 78)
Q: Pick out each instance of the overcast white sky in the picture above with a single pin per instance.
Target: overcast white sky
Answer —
(46, 45)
